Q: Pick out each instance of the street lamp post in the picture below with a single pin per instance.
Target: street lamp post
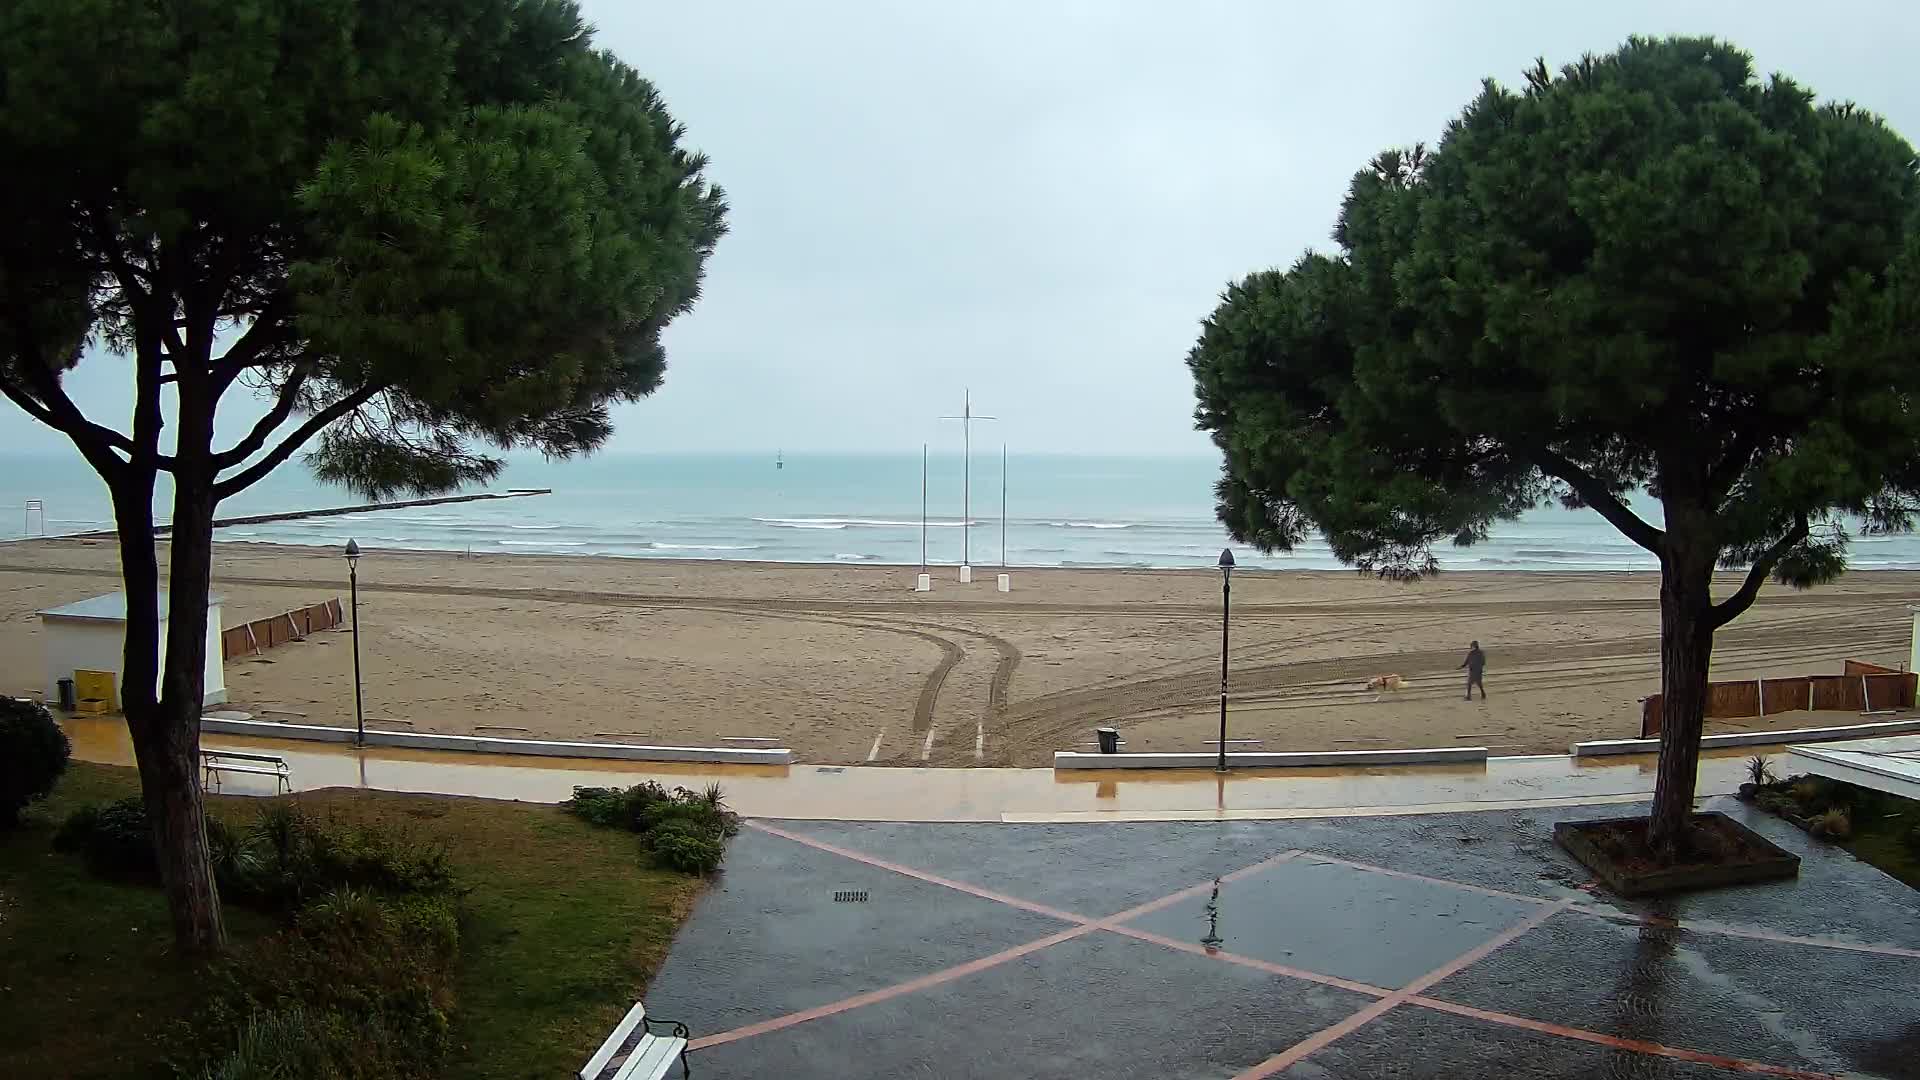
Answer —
(353, 588)
(1226, 602)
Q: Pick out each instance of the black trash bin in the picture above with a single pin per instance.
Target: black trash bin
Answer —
(69, 701)
(1109, 739)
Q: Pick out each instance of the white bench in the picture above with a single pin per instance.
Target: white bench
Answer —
(648, 1057)
(214, 763)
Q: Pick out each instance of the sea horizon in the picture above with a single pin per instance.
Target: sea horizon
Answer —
(1061, 510)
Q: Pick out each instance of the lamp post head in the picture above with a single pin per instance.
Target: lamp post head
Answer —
(1226, 561)
(353, 553)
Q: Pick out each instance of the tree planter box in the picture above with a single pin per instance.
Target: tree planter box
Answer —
(1614, 850)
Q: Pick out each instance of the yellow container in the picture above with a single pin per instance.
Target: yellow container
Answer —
(95, 686)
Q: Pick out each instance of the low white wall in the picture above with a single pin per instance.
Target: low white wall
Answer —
(1602, 747)
(725, 755)
(1070, 759)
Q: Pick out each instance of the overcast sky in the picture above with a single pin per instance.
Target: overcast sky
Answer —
(1041, 200)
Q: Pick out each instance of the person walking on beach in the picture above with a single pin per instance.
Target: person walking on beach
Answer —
(1475, 663)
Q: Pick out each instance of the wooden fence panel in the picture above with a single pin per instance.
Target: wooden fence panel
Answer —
(1836, 693)
(1786, 695)
(1733, 699)
(262, 634)
(1889, 691)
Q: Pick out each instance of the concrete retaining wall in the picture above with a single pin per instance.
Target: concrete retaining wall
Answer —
(1753, 738)
(487, 745)
(1442, 755)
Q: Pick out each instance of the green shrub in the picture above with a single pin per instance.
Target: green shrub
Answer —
(1833, 824)
(114, 839)
(685, 846)
(295, 857)
(617, 808)
(679, 829)
(360, 986)
(33, 754)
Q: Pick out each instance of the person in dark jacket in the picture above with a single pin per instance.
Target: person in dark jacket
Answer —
(1475, 663)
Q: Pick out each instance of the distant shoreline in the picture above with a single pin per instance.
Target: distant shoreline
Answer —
(982, 571)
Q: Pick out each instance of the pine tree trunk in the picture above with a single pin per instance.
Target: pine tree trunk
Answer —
(1686, 651)
(167, 746)
(166, 738)
(170, 770)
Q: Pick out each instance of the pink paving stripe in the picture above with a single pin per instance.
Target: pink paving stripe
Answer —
(1372, 869)
(946, 975)
(1388, 999)
(1247, 961)
(1326, 1037)
(908, 871)
(1637, 1046)
(1757, 933)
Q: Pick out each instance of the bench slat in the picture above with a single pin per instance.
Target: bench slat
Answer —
(246, 769)
(598, 1062)
(652, 1059)
(238, 756)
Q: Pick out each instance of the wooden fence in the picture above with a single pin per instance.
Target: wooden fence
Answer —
(1862, 687)
(258, 636)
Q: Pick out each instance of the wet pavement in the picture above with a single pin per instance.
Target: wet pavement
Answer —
(841, 792)
(1457, 945)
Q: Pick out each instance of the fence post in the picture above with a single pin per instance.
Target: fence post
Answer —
(1760, 695)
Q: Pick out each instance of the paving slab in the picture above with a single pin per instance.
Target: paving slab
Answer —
(1336, 920)
(769, 938)
(1097, 1006)
(1418, 1044)
(973, 955)
(1787, 1004)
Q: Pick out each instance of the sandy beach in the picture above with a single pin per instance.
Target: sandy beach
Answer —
(849, 665)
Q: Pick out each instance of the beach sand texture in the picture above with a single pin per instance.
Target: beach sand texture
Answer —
(848, 665)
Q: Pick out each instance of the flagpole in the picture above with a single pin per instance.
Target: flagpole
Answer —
(1003, 506)
(923, 507)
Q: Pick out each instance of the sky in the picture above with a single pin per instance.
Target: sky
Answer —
(1041, 201)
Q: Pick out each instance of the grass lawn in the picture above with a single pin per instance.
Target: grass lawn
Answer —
(563, 927)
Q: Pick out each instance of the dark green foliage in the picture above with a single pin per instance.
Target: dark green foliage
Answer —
(114, 839)
(1651, 272)
(33, 754)
(358, 987)
(283, 860)
(679, 829)
(685, 845)
(421, 231)
(464, 208)
(1878, 827)
(1649, 269)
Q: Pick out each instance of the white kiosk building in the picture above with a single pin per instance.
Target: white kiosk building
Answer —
(90, 635)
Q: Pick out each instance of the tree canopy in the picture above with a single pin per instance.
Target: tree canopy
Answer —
(1650, 271)
(417, 224)
(420, 229)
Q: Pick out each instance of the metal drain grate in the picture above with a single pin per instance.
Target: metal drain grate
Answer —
(850, 896)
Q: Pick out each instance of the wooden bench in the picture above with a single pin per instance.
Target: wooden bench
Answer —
(647, 1057)
(214, 763)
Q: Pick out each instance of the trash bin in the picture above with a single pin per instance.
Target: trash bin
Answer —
(1109, 739)
(69, 701)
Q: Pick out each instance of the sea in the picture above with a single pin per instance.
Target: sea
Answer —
(1026, 510)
